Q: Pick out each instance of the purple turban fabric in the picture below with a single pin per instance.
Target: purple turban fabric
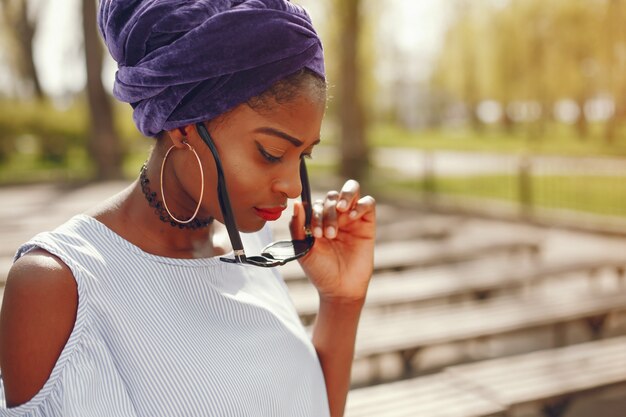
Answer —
(186, 61)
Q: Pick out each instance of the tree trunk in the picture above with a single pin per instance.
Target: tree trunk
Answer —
(582, 126)
(104, 144)
(613, 125)
(354, 151)
(610, 129)
(507, 123)
(22, 31)
(615, 38)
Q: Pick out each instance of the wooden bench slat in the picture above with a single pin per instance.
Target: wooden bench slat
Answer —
(449, 324)
(412, 254)
(543, 375)
(496, 387)
(428, 396)
(416, 286)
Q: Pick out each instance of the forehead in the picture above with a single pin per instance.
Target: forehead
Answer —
(300, 118)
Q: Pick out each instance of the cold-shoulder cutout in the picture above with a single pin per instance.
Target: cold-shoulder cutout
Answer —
(37, 317)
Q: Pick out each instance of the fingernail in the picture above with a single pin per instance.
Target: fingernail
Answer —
(342, 205)
(330, 232)
(295, 210)
(317, 232)
(353, 214)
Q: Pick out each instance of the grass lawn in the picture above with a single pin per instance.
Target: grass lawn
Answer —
(23, 168)
(603, 195)
(556, 140)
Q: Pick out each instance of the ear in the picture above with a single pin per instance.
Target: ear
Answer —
(179, 135)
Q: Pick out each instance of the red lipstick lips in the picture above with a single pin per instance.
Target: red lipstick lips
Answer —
(269, 214)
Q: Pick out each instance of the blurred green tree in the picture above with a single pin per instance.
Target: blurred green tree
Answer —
(19, 24)
(576, 43)
(615, 61)
(461, 64)
(537, 52)
(351, 109)
(104, 144)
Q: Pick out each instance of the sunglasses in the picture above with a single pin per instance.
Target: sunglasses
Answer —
(274, 254)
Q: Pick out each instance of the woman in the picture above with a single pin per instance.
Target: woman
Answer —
(131, 309)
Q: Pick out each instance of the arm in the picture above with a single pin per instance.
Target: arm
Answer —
(334, 333)
(340, 265)
(37, 317)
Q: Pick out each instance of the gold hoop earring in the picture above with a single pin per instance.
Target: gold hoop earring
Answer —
(195, 213)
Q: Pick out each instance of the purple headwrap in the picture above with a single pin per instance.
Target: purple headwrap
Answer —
(186, 61)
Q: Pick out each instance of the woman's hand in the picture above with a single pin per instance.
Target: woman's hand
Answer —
(340, 263)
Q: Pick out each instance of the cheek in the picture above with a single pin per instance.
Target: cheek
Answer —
(245, 193)
(247, 182)
(248, 185)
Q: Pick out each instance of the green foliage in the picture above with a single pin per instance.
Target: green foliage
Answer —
(23, 168)
(54, 131)
(41, 141)
(535, 50)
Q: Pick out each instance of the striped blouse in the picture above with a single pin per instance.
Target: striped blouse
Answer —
(158, 336)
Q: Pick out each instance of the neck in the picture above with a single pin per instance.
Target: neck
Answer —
(162, 210)
(130, 215)
(161, 236)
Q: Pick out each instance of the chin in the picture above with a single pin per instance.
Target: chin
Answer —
(251, 227)
(246, 224)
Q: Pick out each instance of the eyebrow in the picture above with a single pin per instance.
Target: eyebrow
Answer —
(275, 132)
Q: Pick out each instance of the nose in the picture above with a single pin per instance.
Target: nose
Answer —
(289, 184)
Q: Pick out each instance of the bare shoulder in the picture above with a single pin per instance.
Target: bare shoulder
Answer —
(36, 320)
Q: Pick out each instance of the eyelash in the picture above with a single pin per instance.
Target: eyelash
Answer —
(269, 157)
(276, 159)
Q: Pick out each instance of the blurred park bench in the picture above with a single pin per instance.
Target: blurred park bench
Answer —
(391, 291)
(538, 383)
(507, 322)
(471, 327)
(430, 396)
(398, 256)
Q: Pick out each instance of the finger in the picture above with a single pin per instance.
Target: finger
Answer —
(348, 196)
(317, 220)
(296, 224)
(330, 214)
(365, 208)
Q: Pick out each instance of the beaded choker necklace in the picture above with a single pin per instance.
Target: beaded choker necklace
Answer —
(159, 209)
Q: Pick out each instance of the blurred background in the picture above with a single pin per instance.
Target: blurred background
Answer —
(493, 135)
(518, 101)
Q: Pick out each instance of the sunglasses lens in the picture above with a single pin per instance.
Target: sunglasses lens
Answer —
(259, 260)
(288, 249)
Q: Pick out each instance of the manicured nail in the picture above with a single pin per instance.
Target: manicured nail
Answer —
(331, 232)
(342, 205)
(317, 232)
(353, 214)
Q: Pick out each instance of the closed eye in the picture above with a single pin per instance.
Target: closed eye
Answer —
(268, 156)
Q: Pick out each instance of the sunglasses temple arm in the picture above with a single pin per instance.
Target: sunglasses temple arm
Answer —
(305, 196)
(229, 218)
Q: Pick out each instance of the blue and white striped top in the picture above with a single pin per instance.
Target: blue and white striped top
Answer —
(157, 336)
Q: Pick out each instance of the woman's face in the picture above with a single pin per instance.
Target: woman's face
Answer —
(260, 154)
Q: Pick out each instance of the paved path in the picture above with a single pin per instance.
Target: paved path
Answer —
(451, 163)
(412, 162)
